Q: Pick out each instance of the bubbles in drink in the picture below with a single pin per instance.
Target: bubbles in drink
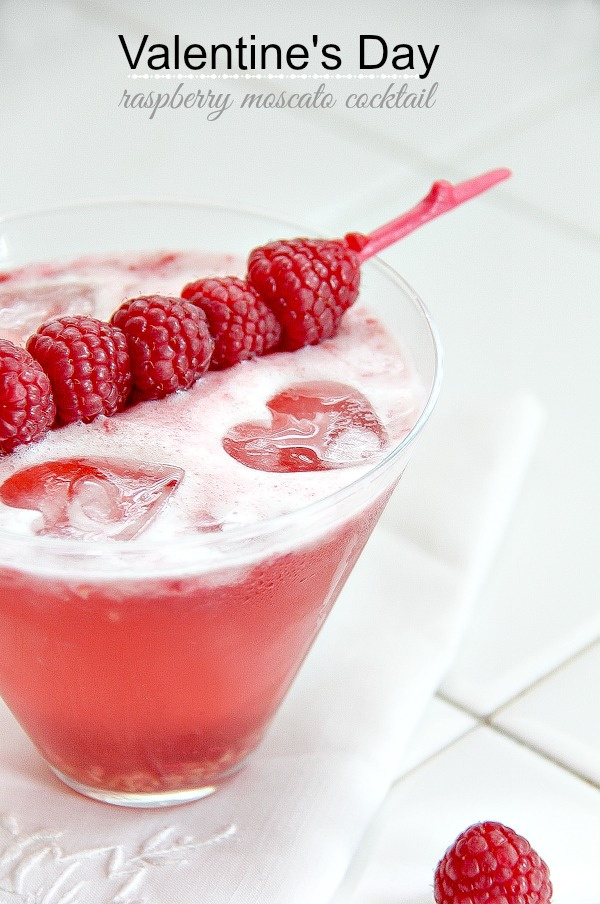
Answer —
(92, 499)
(315, 426)
(24, 308)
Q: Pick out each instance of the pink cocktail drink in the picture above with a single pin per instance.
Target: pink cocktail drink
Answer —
(163, 572)
(170, 689)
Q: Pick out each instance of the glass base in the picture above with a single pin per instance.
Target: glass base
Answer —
(138, 798)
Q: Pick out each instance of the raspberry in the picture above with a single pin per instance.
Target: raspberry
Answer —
(169, 343)
(490, 864)
(87, 364)
(240, 323)
(26, 405)
(308, 283)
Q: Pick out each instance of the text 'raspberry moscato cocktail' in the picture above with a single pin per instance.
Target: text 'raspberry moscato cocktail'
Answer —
(165, 569)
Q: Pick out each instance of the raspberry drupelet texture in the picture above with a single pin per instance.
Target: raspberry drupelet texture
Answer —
(490, 864)
(87, 363)
(169, 344)
(308, 283)
(26, 405)
(239, 321)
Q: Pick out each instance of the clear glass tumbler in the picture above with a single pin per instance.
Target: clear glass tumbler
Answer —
(146, 680)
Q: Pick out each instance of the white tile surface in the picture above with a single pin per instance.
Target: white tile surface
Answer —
(495, 73)
(67, 137)
(482, 777)
(514, 300)
(561, 715)
(565, 183)
(496, 63)
(440, 725)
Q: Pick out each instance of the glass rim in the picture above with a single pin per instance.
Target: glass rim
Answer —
(254, 530)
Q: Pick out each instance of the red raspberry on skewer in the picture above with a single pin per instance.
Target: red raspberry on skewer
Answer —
(295, 295)
(309, 283)
(87, 363)
(239, 321)
(169, 343)
(490, 864)
(26, 405)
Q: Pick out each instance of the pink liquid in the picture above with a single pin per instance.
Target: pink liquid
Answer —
(173, 689)
(156, 681)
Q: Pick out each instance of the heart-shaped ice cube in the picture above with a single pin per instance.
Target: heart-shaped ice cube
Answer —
(315, 426)
(92, 498)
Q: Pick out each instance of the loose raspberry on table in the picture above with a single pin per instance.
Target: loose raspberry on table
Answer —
(490, 864)
(239, 321)
(27, 408)
(308, 283)
(87, 363)
(169, 343)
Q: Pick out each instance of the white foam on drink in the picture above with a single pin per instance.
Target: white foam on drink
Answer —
(186, 429)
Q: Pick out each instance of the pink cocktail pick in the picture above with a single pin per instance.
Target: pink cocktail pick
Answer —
(442, 197)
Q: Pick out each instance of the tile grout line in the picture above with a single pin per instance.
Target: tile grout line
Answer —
(486, 722)
(564, 663)
(544, 754)
(440, 751)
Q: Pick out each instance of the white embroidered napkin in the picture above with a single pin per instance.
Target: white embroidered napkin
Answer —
(285, 829)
